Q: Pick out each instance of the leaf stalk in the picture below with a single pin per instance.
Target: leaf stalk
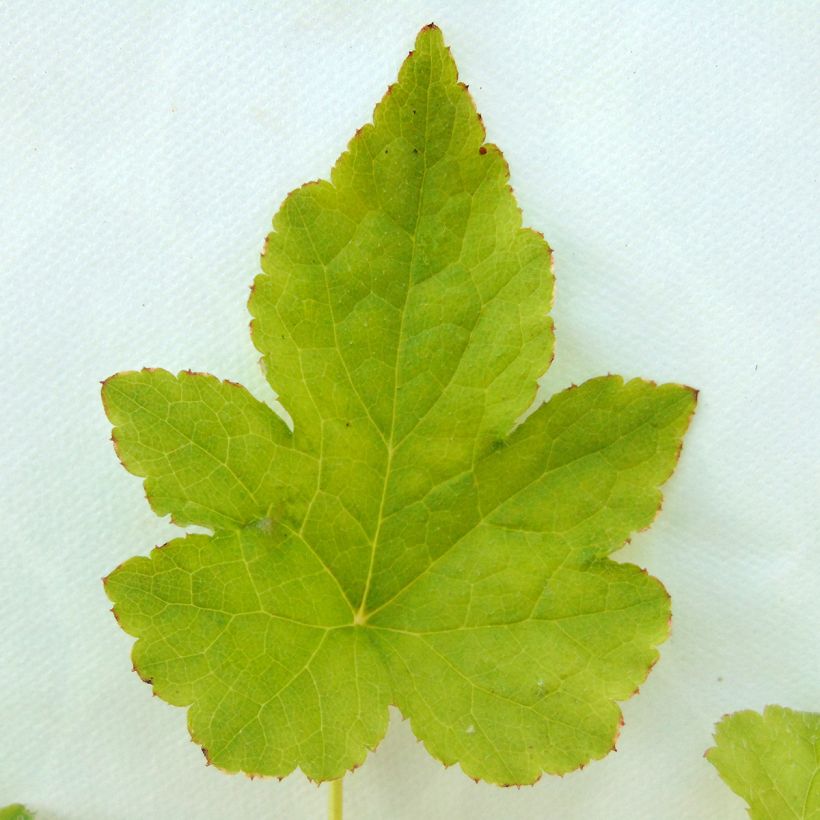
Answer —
(334, 802)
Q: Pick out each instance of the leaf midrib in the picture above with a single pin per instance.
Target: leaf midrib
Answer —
(361, 614)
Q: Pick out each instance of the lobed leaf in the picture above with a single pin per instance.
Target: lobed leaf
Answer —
(407, 542)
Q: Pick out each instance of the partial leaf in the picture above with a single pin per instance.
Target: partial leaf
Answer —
(406, 543)
(17, 811)
(772, 761)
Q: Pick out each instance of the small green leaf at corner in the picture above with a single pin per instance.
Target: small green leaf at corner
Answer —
(17, 811)
(405, 543)
(772, 761)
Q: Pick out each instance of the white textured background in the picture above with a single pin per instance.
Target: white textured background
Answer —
(668, 151)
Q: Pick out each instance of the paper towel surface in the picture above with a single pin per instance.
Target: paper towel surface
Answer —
(668, 152)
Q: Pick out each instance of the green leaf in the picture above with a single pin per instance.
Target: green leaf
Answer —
(772, 761)
(17, 811)
(406, 543)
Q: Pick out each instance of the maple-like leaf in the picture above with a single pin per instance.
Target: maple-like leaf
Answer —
(406, 543)
(772, 761)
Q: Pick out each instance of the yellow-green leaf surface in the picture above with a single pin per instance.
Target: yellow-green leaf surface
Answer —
(772, 761)
(17, 811)
(406, 543)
